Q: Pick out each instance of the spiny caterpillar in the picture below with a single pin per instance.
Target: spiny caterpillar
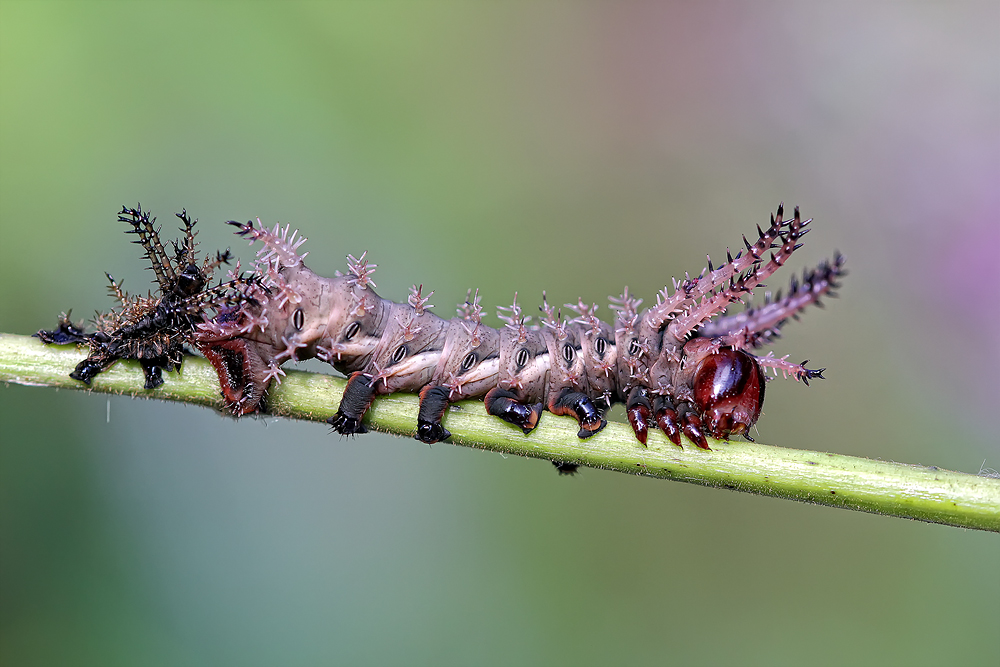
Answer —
(672, 364)
(154, 329)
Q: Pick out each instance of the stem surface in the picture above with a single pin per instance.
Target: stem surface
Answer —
(894, 489)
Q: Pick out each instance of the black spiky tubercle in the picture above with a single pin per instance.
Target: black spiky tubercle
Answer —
(154, 329)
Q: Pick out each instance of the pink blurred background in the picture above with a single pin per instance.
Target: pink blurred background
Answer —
(571, 147)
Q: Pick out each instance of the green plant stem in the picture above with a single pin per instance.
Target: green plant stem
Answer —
(894, 489)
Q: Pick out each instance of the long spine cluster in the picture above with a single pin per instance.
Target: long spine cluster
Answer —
(155, 329)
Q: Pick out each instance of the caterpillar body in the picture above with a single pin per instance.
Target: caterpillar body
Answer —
(681, 365)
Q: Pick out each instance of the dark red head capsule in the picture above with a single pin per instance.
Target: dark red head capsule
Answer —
(729, 391)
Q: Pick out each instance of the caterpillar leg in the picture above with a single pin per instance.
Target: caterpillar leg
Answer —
(638, 409)
(504, 404)
(692, 426)
(242, 372)
(566, 468)
(667, 419)
(578, 405)
(152, 372)
(98, 361)
(672, 421)
(357, 398)
(90, 367)
(433, 405)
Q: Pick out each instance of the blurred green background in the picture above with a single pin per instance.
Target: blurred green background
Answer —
(570, 147)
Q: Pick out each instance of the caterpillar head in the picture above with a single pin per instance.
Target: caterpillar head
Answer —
(729, 391)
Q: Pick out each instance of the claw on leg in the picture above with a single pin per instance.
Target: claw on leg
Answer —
(357, 398)
(693, 429)
(345, 425)
(667, 420)
(433, 404)
(638, 411)
(152, 373)
(431, 432)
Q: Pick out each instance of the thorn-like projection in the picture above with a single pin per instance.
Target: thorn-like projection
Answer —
(471, 310)
(361, 271)
(471, 313)
(279, 248)
(553, 319)
(417, 302)
(515, 321)
(586, 316)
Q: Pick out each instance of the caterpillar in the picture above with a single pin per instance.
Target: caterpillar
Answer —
(156, 328)
(681, 365)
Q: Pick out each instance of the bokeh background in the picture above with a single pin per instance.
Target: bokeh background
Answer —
(571, 147)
